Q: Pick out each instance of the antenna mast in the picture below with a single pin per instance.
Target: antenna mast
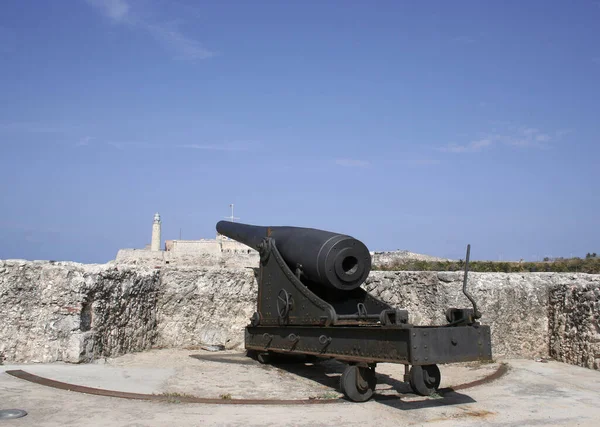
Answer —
(231, 218)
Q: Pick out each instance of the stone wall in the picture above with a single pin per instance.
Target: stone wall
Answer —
(74, 312)
(388, 258)
(205, 306)
(140, 257)
(191, 247)
(229, 260)
(229, 253)
(574, 312)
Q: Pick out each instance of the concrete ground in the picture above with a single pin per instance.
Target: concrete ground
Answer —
(531, 393)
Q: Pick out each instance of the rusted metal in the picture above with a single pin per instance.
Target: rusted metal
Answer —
(497, 374)
(161, 397)
(476, 312)
(372, 344)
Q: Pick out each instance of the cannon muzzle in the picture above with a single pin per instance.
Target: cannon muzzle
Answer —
(330, 259)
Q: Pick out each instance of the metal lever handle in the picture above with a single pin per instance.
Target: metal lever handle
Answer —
(476, 313)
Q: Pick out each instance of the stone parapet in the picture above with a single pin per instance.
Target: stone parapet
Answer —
(73, 312)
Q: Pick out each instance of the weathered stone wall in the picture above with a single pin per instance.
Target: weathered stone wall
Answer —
(205, 306)
(231, 254)
(143, 258)
(212, 306)
(191, 247)
(388, 258)
(73, 312)
(574, 312)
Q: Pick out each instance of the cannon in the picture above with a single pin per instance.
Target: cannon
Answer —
(311, 303)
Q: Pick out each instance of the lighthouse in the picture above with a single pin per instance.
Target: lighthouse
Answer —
(155, 244)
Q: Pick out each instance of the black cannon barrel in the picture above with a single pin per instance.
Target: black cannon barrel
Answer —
(331, 259)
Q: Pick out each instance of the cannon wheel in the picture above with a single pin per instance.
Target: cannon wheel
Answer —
(358, 383)
(260, 356)
(425, 380)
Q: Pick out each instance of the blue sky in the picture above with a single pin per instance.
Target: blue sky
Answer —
(409, 125)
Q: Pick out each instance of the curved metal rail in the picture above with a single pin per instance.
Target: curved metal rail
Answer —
(501, 371)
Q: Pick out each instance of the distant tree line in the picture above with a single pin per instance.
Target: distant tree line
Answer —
(591, 265)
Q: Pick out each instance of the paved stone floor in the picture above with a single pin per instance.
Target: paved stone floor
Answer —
(530, 394)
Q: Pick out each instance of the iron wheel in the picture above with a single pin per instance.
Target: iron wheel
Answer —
(425, 380)
(358, 383)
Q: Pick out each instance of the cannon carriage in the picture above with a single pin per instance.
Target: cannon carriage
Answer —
(310, 302)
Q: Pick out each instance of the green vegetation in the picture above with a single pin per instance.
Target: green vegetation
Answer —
(589, 264)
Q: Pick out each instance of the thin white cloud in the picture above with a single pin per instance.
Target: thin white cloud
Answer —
(481, 143)
(352, 163)
(423, 162)
(116, 145)
(562, 132)
(182, 47)
(69, 133)
(232, 146)
(116, 10)
(524, 137)
(229, 146)
(166, 34)
(527, 137)
(473, 146)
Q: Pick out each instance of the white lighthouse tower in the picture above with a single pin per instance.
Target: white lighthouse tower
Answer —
(155, 244)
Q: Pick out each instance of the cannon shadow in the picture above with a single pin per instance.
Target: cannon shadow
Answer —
(389, 391)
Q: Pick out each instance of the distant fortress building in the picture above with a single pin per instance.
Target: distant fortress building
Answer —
(216, 246)
(221, 252)
(221, 244)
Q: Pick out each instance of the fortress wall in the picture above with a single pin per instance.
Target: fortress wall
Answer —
(231, 246)
(388, 258)
(140, 257)
(210, 247)
(206, 247)
(574, 314)
(149, 259)
(72, 312)
(43, 308)
(205, 305)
